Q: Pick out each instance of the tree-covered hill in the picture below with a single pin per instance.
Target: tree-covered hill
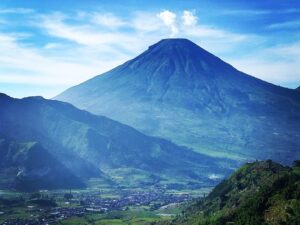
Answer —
(258, 193)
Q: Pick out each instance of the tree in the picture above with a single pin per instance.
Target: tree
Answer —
(296, 163)
(68, 196)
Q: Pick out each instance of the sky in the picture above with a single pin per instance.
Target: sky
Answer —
(49, 46)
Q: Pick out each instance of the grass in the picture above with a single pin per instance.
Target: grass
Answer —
(134, 216)
(15, 213)
(74, 221)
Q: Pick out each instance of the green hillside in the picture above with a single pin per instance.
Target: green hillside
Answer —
(93, 146)
(258, 193)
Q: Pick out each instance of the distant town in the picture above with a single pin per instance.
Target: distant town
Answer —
(50, 208)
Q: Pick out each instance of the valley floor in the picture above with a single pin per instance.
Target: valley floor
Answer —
(94, 205)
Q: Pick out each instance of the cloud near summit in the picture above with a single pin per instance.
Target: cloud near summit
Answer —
(175, 23)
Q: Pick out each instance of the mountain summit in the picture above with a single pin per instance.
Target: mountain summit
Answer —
(179, 91)
(179, 58)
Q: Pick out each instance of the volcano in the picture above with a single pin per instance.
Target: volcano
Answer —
(178, 91)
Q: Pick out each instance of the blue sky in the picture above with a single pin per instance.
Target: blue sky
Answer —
(48, 46)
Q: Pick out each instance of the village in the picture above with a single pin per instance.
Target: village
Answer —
(76, 205)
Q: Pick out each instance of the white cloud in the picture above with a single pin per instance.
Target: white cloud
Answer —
(52, 45)
(214, 39)
(16, 11)
(285, 25)
(27, 65)
(260, 12)
(54, 25)
(145, 22)
(247, 12)
(189, 18)
(278, 64)
(147, 28)
(169, 19)
(86, 34)
(108, 20)
(209, 32)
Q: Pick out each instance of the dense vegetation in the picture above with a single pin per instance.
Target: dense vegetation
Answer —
(258, 193)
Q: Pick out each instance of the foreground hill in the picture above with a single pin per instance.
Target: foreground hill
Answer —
(258, 193)
(95, 146)
(177, 86)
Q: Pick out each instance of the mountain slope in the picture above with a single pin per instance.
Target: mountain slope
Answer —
(28, 167)
(177, 86)
(95, 146)
(258, 193)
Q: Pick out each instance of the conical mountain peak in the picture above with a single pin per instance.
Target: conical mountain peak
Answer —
(179, 57)
(180, 44)
(175, 48)
(174, 43)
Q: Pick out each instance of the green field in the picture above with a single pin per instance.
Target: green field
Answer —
(133, 217)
